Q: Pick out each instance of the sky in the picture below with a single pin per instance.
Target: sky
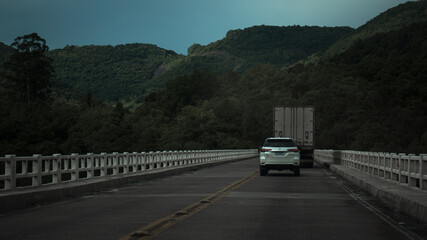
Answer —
(171, 24)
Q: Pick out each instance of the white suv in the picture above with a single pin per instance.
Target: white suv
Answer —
(279, 154)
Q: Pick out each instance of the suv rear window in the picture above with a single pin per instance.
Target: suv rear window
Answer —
(279, 143)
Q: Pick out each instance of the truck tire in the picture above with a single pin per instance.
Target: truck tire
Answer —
(296, 171)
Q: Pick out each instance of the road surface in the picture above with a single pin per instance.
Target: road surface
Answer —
(229, 201)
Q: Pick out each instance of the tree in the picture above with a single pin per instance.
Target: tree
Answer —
(29, 71)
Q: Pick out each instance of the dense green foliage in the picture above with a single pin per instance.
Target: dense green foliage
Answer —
(391, 70)
(5, 53)
(111, 73)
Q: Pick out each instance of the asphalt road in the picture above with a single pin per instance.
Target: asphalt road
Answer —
(229, 201)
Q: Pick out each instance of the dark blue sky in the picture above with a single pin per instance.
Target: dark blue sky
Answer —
(170, 24)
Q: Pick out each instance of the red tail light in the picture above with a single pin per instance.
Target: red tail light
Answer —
(293, 150)
(265, 149)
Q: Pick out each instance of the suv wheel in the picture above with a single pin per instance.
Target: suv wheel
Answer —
(263, 171)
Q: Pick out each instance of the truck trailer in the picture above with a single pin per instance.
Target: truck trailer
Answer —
(297, 123)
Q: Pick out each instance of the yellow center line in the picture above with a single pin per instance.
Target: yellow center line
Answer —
(166, 222)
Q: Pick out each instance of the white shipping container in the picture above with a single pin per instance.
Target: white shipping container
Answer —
(296, 123)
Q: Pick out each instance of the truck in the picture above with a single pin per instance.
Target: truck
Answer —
(297, 123)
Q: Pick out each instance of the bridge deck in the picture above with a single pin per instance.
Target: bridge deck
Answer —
(316, 205)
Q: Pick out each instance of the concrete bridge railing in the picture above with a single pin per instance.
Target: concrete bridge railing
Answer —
(410, 170)
(37, 170)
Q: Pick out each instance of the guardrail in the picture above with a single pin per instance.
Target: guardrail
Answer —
(410, 170)
(37, 170)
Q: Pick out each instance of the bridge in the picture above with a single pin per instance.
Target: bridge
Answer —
(212, 195)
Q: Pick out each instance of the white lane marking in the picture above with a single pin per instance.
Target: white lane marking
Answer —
(405, 231)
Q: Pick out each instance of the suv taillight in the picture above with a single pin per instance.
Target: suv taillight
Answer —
(265, 149)
(293, 150)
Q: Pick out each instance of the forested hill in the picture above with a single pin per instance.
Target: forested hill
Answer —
(372, 96)
(130, 72)
(280, 46)
(243, 48)
(392, 19)
(110, 73)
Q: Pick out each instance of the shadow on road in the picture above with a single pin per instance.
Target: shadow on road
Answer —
(280, 174)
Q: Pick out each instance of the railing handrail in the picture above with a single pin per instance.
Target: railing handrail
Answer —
(37, 170)
(407, 169)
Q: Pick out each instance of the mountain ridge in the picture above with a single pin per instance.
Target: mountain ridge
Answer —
(392, 19)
